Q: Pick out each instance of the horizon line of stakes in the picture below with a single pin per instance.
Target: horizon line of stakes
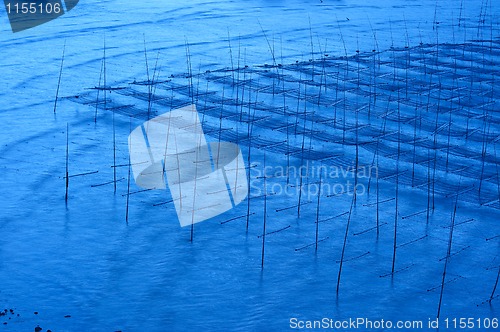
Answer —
(423, 115)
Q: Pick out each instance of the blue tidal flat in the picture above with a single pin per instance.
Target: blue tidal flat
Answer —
(369, 137)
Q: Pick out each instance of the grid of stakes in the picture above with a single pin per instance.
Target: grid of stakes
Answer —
(417, 114)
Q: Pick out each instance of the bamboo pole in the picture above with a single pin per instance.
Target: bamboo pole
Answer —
(60, 76)
(67, 162)
(128, 179)
(265, 216)
(317, 209)
(448, 254)
(343, 246)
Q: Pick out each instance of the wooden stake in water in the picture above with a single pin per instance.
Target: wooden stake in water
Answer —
(317, 208)
(448, 253)
(428, 184)
(231, 56)
(451, 100)
(217, 166)
(149, 83)
(346, 75)
(298, 105)
(60, 75)
(128, 180)
(104, 74)
(486, 131)
(67, 161)
(323, 77)
(250, 134)
(265, 215)
(114, 152)
(396, 219)
(344, 245)
(460, 14)
(378, 192)
(357, 125)
(271, 49)
(495, 287)
(312, 51)
(301, 179)
(190, 71)
(98, 92)
(396, 215)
